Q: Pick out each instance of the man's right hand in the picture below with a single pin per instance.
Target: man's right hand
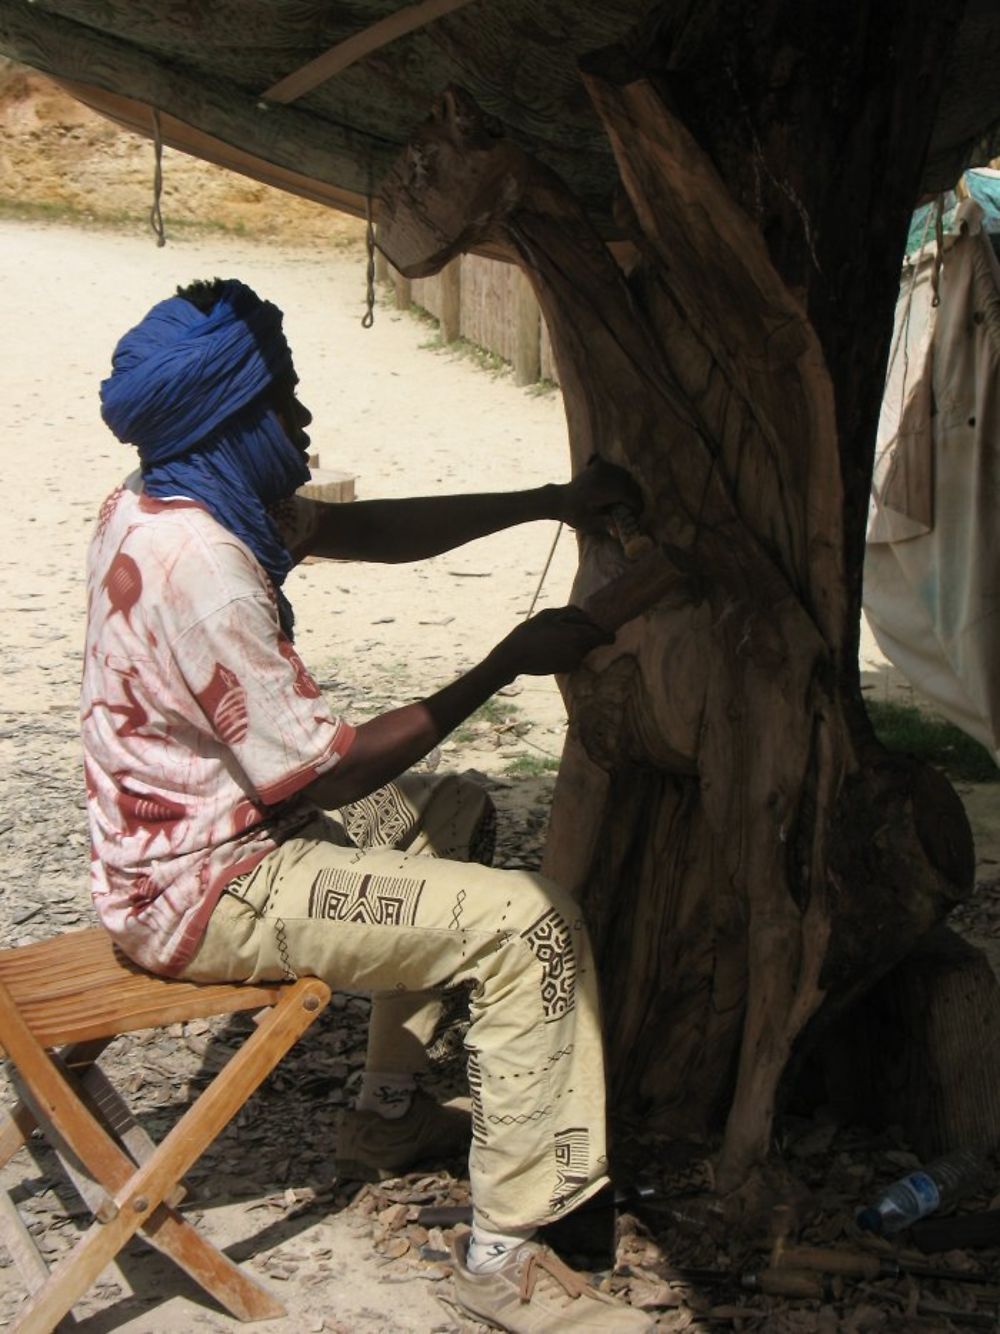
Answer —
(385, 746)
(556, 640)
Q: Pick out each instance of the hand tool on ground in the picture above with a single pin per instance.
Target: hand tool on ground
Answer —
(867, 1264)
(786, 1283)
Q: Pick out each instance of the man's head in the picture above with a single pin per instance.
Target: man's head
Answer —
(204, 387)
(282, 395)
(207, 359)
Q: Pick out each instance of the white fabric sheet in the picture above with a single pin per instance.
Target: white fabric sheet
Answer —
(932, 570)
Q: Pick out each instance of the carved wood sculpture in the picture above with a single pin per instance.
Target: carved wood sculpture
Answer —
(749, 859)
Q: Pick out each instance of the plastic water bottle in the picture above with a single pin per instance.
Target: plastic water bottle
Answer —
(940, 1184)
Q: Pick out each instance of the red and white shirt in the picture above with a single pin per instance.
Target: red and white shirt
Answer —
(200, 724)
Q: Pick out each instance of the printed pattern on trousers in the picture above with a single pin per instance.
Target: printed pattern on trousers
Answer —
(550, 942)
(379, 820)
(343, 895)
(475, 1076)
(572, 1154)
(558, 1056)
(520, 1118)
(458, 907)
(281, 943)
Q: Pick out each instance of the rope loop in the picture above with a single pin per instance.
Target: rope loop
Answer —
(368, 319)
(156, 213)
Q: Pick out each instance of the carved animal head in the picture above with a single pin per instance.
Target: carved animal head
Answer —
(451, 184)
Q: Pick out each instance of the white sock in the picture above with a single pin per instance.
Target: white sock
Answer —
(386, 1092)
(488, 1249)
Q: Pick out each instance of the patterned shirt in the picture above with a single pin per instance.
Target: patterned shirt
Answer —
(200, 724)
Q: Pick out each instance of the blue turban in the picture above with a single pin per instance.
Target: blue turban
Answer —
(187, 389)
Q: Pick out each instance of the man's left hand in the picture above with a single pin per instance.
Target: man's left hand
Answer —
(586, 501)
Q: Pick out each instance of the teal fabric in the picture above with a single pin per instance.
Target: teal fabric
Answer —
(983, 186)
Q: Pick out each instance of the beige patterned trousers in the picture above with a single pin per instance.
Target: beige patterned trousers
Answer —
(405, 921)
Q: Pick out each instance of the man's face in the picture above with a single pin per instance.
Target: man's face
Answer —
(293, 415)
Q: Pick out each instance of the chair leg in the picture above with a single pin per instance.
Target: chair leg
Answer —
(17, 1122)
(16, 1125)
(139, 1192)
(165, 1229)
(21, 1245)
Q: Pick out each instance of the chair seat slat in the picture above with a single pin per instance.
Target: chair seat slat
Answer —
(79, 986)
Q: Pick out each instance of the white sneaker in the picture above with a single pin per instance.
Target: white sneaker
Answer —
(533, 1292)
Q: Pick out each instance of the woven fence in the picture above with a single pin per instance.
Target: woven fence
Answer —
(487, 303)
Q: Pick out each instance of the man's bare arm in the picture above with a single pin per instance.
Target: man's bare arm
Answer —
(386, 746)
(394, 531)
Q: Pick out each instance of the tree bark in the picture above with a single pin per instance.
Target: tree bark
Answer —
(926, 1057)
(748, 858)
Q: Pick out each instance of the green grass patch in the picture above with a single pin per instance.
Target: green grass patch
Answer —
(26, 210)
(903, 727)
(488, 361)
(495, 711)
(423, 316)
(531, 766)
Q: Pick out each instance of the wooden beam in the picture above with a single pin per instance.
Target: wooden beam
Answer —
(359, 46)
(136, 116)
(218, 120)
(339, 159)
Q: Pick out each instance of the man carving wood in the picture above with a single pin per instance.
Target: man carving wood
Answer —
(212, 759)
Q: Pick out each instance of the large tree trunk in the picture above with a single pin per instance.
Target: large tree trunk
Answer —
(748, 857)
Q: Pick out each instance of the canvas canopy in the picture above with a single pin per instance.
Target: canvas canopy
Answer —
(932, 571)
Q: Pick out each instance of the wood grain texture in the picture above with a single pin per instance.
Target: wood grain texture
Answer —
(519, 60)
(86, 1121)
(928, 1056)
(713, 766)
(78, 986)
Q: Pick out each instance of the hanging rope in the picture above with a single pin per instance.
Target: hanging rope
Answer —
(155, 213)
(538, 590)
(368, 319)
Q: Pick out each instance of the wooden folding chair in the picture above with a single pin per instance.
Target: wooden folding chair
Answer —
(76, 992)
